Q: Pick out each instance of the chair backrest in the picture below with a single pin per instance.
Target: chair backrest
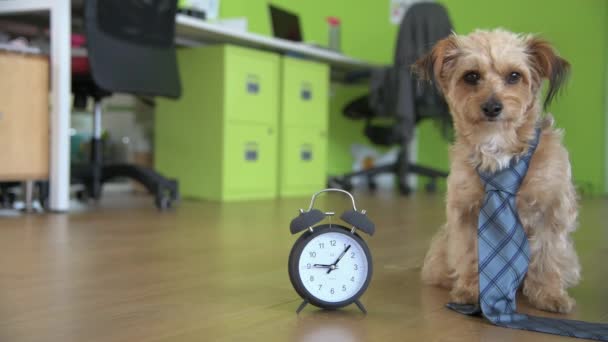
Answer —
(423, 25)
(397, 94)
(131, 47)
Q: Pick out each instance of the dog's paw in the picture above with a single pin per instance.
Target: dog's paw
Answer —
(464, 295)
(560, 303)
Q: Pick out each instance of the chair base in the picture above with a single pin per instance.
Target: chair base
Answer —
(165, 190)
(7, 196)
(400, 168)
(95, 173)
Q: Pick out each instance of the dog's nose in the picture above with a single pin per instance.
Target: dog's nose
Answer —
(492, 108)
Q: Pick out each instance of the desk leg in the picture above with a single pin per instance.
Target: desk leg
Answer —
(28, 198)
(60, 98)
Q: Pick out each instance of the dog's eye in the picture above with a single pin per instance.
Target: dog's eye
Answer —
(472, 77)
(514, 77)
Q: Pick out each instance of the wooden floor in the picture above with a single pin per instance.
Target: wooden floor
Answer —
(213, 272)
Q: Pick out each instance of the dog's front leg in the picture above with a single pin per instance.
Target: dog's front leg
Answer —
(462, 252)
(554, 264)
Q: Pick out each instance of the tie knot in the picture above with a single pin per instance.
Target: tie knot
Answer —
(506, 180)
(509, 179)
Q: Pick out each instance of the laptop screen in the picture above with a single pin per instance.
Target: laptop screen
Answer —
(285, 24)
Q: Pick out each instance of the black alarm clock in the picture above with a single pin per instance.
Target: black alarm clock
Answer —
(330, 265)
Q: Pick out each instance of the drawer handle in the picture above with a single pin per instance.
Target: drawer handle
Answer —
(251, 151)
(253, 84)
(306, 94)
(306, 152)
(251, 155)
(1, 115)
(306, 91)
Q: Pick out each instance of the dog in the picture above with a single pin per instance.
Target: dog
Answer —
(492, 83)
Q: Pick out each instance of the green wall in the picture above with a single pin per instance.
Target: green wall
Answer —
(578, 28)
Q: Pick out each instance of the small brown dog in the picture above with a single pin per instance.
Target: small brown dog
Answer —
(492, 82)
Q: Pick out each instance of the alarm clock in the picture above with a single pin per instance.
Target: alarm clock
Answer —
(330, 265)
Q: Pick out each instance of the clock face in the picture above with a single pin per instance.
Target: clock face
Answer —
(333, 266)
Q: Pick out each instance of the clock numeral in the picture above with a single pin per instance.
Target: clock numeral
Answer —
(343, 288)
(321, 245)
(313, 254)
(312, 278)
(331, 291)
(356, 267)
(352, 279)
(352, 255)
(308, 266)
(320, 286)
(332, 242)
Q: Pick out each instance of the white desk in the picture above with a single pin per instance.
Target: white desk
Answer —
(60, 63)
(187, 29)
(194, 29)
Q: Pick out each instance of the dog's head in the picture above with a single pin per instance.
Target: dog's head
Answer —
(492, 79)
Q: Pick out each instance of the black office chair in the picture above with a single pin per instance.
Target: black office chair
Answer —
(7, 194)
(130, 46)
(398, 95)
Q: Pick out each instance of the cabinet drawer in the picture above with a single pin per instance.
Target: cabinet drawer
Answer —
(303, 160)
(305, 87)
(252, 85)
(24, 117)
(250, 161)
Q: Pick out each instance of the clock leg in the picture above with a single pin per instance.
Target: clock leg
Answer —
(301, 307)
(361, 307)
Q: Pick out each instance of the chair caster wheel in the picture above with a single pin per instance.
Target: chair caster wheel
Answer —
(43, 194)
(371, 184)
(340, 183)
(166, 196)
(82, 195)
(163, 202)
(431, 186)
(405, 189)
(8, 199)
(346, 185)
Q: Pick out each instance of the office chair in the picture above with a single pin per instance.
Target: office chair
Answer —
(130, 45)
(7, 195)
(398, 95)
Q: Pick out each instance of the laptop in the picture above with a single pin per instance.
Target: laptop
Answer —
(285, 24)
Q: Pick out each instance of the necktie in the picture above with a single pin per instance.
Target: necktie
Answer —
(504, 257)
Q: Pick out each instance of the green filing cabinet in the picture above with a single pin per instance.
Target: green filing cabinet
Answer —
(220, 138)
(303, 127)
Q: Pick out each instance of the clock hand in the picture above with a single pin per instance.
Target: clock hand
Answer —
(337, 260)
(329, 267)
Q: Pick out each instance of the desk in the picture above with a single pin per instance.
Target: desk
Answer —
(60, 63)
(194, 29)
(188, 31)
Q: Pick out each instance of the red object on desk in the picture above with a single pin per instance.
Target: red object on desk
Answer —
(333, 21)
(80, 64)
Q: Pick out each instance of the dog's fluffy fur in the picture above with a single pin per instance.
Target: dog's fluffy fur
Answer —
(546, 202)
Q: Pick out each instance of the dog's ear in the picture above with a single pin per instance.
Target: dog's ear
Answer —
(547, 64)
(432, 66)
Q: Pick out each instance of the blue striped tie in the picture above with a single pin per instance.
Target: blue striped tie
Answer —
(504, 256)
